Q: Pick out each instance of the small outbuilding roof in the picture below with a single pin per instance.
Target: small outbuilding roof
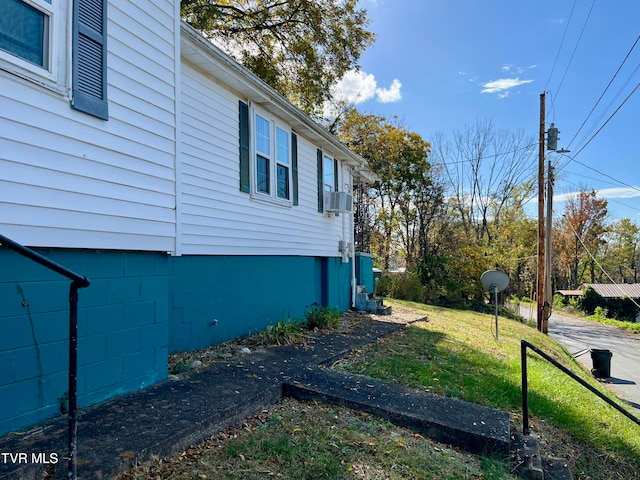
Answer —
(614, 290)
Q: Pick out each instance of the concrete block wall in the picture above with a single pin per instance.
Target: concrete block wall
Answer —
(140, 307)
(215, 299)
(122, 330)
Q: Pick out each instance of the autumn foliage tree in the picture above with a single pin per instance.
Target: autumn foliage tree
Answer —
(299, 47)
(579, 235)
(406, 196)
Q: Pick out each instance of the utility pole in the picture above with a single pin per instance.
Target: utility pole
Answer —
(548, 294)
(540, 274)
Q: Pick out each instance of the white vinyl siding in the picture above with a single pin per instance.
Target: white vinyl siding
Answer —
(219, 219)
(70, 180)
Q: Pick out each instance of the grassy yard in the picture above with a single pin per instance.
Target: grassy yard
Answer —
(307, 441)
(454, 353)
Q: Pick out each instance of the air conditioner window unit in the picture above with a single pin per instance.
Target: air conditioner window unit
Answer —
(338, 202)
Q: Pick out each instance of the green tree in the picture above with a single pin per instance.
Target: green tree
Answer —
(514, 246)
(299, 47)
(623, 240)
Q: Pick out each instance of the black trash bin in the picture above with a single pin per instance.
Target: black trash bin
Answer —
(601, 362)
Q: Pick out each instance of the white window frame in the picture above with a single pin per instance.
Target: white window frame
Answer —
(271, 156)
(329, 187)
(54, 74)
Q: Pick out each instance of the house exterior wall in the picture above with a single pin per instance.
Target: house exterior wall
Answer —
(140, 307)
(219, 219)
(147, 205)
(68, 179)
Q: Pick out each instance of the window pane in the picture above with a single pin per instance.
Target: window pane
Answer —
(263, 143)
(262, 174)
(282, 146)
(23, 31)
(328, 174)
(283, 182)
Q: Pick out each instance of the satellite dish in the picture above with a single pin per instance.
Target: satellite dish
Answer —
(494, 280)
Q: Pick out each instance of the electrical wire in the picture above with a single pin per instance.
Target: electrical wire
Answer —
(607, 121)
(605, 90)
(600, 266)
(561, 44)
(573, 53)
(619, 182)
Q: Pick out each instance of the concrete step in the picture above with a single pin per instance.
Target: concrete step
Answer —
(467, 426)
(366, 302)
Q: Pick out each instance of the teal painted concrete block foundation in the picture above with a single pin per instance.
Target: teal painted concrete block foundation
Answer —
(122, 330)
(218, 298)
(139, 308)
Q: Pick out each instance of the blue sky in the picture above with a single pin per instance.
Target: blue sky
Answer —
(442, 64)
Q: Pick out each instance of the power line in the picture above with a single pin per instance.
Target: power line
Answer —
(561, 44)
(619, 182)
(607, 121)
(600, 266)
(573, 53)
(605, 90)
(608, 200)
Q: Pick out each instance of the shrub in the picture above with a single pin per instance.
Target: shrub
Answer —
(404, 286)
(600, 313)
(559, 301)
(589, 300)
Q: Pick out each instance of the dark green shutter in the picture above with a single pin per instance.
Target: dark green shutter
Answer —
(294, 166)
(89, 64)
(320, 183)
(335, 175)
(244, 147)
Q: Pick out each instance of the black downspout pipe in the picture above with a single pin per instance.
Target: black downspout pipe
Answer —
(555, 363)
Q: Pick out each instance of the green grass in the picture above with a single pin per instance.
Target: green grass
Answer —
(630, 326)
(455, 354)
(307, 441)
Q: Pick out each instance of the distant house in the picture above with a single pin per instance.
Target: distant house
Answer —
(199, 202)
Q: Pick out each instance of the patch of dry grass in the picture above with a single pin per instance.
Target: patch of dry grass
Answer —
(308, 441)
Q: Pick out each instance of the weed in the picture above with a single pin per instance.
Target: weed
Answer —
(285, 332)
(321, 317)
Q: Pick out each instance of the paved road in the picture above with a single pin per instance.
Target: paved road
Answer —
(580, 336)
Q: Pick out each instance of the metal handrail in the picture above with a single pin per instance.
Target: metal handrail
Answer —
(525, 388)
(77, 282)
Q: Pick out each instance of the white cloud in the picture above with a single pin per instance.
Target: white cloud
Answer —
(391, 94)
(359, 86)
(502, 85)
